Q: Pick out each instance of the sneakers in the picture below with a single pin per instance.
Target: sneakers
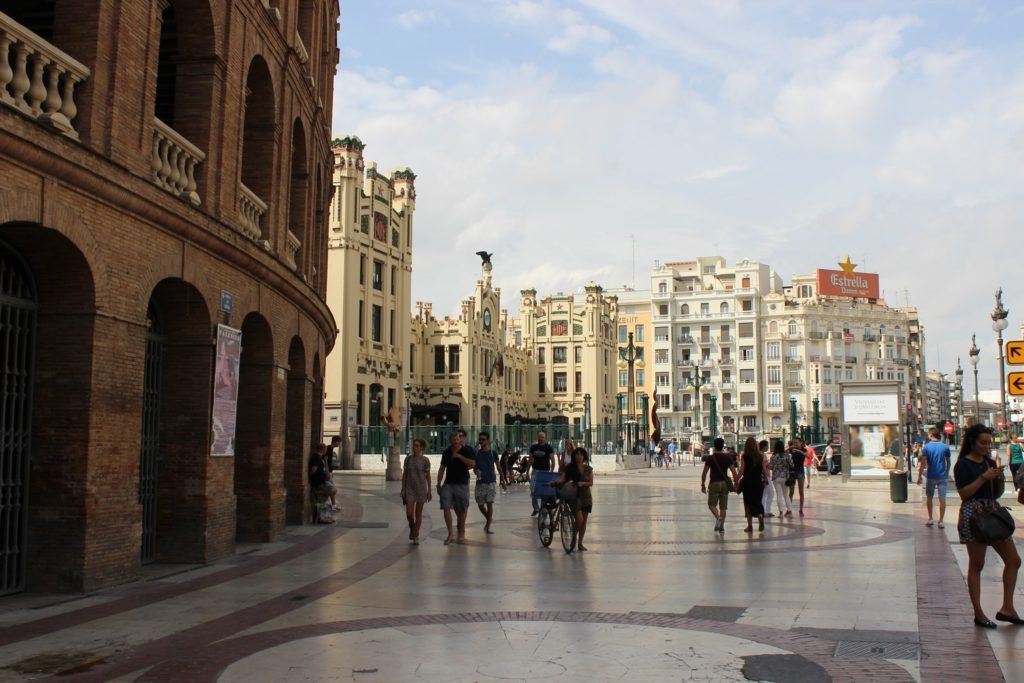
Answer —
(718, 524)
(534, 513)
(929, 523)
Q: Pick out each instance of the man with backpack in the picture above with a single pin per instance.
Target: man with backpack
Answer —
(718, 464)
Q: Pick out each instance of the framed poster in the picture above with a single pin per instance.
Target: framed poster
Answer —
(225, 391)
(380, 227)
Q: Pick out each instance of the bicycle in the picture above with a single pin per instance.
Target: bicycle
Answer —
(557, 515)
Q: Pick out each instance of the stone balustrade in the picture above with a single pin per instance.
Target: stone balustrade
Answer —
(251, 210)
(175, 160)
(37, 79)
(291, 248)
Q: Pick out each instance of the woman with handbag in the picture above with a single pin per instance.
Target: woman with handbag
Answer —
(751, 483)
(781, 465)
(983, 522)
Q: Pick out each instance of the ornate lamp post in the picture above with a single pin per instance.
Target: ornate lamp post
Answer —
(695, 383)
(998, 325)
(974, 355)
(959, 398)
(792, 417)
(587, 436)
(630, 357)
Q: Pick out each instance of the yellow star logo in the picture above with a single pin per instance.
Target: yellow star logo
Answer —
(847, 265)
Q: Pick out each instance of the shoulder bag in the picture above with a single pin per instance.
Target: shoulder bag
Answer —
(718, 467)
(992, 523)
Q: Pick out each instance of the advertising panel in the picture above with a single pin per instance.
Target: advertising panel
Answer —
(871, 408)
(225, 390)
(847, 284)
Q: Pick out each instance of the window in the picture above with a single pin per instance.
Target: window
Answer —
(746, 376)
(705, 309)
(394, 280)
(745, 330)
(360, 400)
(623, 378)
(661, 334)
(541, 355)
(826, 376)
(559, 328)
(773, 327)
(749, 422)
(724, 308)
(579, 382)
(661, 379)
(412, 358)
(792, 328)
(724, 333)
(579, 354)
(663, 402)
(638, 333)
(560, 383)
(709, 270)
(378, 275)
(391, 327)
(817, 376)
(639, 378)
(773, 350)
(375, 323)
(559, 354)
(362, 270)
(439, 359)
(774, 374)
(663, 309)
(660, 356)
(662, 288)
(746, 398)
(453, 358)
(745, 283)
(747, 305)
(685, 309)
(746, 353)
(623, 331)
(726, 376)
(359, 323)
(541, 383)
(775, 398)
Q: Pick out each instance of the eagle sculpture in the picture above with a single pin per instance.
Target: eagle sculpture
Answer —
(485, 257)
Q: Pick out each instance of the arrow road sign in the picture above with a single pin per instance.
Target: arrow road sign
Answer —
(1015, 383)
(1015, 352)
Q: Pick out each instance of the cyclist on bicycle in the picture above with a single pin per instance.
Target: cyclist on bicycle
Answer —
(582, 475)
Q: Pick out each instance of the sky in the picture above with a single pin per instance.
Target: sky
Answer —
(583, 140)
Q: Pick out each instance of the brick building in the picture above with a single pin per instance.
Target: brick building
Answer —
(166, 171)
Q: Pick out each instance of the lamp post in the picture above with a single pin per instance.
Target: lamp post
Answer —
(587, 436)
(959, 399)
(792, 417)
(973, 356)
(998, 325)
(695, 383)
(630, 357)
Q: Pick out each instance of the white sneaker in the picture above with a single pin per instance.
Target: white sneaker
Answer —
(718, 523)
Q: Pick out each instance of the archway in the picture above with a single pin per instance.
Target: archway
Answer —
(258, 137)
(296, 436)
(317, 419)
(174, 454)
(254, 475)
(298, 191)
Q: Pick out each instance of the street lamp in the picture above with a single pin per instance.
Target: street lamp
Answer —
(974, 355)
(630, 357)
(959, 398)
(695, 383)
(587, 436)
(999, 324)
(408, 418)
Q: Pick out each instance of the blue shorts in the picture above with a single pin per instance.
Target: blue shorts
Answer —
(932, 484)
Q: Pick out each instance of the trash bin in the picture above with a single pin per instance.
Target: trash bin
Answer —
(898, 486)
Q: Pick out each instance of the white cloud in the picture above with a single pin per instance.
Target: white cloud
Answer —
(578, 33)
(412, 18)
(715, 172)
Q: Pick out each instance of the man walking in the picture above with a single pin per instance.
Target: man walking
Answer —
(456, 460)
(672, 448)
(486, 479)
(935, 458)
(542, 459)
(799, 455)
(718, 463)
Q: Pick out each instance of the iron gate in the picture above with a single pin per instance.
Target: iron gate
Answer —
(17, 346)
(150, 433)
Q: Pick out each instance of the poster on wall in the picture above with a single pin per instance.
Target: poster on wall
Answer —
(225, 390)
(871, 408)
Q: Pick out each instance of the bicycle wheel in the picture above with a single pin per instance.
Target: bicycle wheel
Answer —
(568, 524)
(545, 527)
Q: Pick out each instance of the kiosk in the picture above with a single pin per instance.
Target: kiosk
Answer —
(872, 429)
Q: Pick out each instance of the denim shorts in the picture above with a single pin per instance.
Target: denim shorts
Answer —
(932, 484)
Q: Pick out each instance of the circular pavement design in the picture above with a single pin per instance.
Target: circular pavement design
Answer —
(480, 646)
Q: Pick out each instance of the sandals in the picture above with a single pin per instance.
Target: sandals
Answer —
(987, 623)
(1012, 619)
(929, 523)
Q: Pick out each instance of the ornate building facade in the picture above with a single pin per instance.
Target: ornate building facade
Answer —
(369, 289)
(166, 181)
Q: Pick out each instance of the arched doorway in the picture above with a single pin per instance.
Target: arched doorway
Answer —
(376, 405)
(296, 436)
(255, 478)
(18, 305)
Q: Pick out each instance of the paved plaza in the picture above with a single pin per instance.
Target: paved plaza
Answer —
(858, 589)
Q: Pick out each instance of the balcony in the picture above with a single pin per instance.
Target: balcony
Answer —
(726, 339)
(870, 337)
(851, 359)
(726, 386)
(792, 360)
(175, 160)
(37, 79)
(816, 358)
(705, 341)
(291, 248)
(685, 339)
(815, 335)
(251, 210)
(661, 338)
(726, 362)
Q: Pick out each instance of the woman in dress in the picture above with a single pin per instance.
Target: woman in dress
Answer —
(416, 488)
(980, 482)
(581, 474)
(752, 474)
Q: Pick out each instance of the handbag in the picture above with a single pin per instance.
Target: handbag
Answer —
(725, 477)
(992, 523)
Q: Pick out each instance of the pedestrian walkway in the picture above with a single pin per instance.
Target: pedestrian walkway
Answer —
(858, 590)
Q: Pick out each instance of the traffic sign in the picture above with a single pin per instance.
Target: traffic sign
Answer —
(1015, 352)
(1015, 383)
(948, 428)
(999, 423)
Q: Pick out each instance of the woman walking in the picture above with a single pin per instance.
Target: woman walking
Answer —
(581, 474)
(980, 483)
(1015, 454)
(781, 464)
(752, 478)
(416, 488)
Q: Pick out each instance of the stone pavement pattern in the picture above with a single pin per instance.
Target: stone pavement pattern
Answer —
(857, 590)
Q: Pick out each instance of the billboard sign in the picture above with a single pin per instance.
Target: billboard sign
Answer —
(225, 390)
(847, 283)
